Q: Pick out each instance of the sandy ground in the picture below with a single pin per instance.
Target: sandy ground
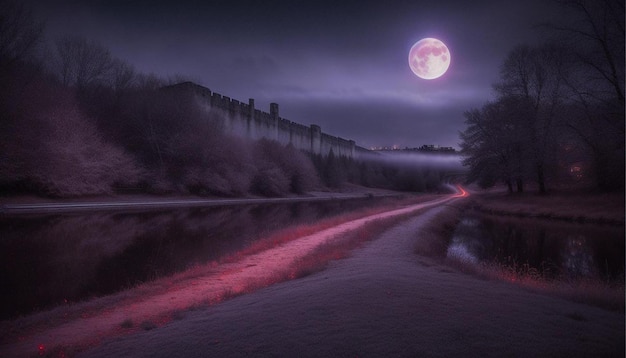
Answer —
(383, 301)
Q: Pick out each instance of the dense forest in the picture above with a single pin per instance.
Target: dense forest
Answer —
(558, 117)
(75, 121)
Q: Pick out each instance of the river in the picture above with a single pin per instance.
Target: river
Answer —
(546, 249)
(57, 259)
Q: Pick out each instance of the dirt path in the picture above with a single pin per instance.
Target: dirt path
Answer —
(384, 301)
(231, 279)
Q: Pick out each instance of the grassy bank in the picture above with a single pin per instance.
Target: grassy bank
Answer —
(585, 207)
(436, 236)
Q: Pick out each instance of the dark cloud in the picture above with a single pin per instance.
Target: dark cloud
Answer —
(339, 64)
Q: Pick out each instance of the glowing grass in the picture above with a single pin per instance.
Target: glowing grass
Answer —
(286, 235)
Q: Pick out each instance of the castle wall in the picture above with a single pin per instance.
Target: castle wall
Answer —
(243, 119)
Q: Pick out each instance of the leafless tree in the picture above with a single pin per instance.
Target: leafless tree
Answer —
(19, 32)
(81, 63)
(493, 144)
(596, 81)
(533, 75)
(596, 38)
(123, 76)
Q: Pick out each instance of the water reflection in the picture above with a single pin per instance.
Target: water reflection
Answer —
(551, 250)
(576, 256)
(53, 259)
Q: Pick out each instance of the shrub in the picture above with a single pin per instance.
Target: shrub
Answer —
(53, 149)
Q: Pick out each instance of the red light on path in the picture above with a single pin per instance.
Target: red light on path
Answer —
(462, 192)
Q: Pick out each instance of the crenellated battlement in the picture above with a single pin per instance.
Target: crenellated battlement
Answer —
(245, 120)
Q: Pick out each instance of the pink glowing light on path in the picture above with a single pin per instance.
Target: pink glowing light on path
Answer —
(462, 192)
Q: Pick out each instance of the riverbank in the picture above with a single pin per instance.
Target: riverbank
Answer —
(34, 204)
(437, 235)
(573, 206)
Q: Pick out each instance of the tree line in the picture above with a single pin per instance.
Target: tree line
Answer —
(558, 114)
(75, 120)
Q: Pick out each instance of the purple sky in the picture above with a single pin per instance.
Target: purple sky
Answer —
(340, 64)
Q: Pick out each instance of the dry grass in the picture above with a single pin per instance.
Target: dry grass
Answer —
(436, 235)
(341, 246)
(283, 236)
(336, 248)
(597, 293)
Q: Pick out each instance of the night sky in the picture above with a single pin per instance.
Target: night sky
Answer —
(340, 64)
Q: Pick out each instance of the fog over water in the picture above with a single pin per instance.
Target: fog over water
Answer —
(411, 159)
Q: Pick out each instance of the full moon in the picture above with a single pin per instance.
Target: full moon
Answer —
(429, 58)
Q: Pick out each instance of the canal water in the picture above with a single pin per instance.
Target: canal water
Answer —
(545, 249)
(51, 260)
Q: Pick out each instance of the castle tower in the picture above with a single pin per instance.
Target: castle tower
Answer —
(250, 118)
(316, 139)
(251, 107)
(274, 110)
(275, 117)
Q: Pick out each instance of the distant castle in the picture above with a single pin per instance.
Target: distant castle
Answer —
(244, 120)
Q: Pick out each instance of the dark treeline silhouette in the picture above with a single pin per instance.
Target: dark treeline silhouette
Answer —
(75, 121)
(558, 117)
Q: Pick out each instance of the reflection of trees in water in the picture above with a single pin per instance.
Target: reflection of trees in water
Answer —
(554, 250)
(577, 257)
(46, 260)
(466, 244)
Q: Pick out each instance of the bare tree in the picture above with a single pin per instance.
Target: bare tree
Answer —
(596, 82)
(597, 40)
(19, 32)
(82, 63)
(533, 75)
(123, 76)
(494, 146)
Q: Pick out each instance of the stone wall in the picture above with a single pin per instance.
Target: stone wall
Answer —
(245, 120)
